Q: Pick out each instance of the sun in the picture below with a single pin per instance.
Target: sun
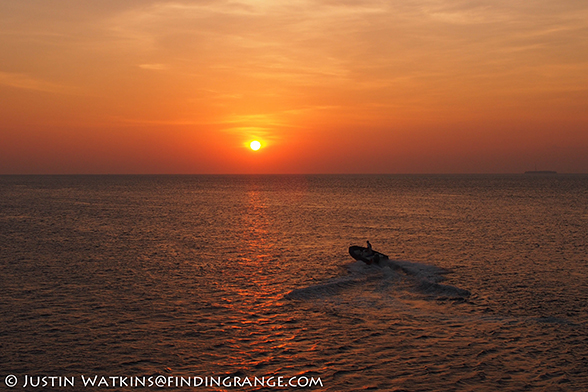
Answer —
(255, 145)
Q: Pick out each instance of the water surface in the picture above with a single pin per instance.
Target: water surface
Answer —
(486, 288)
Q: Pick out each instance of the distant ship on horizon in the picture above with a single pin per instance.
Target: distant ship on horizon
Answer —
(540, 171)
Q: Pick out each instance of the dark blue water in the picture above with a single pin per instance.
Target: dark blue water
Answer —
(249, 276)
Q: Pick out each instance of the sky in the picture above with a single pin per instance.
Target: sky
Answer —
(362, 86)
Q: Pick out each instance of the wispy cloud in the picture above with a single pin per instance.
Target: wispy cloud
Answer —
(26, 82)
(153, 67)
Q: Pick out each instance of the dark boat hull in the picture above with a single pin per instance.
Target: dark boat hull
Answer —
(361, 253)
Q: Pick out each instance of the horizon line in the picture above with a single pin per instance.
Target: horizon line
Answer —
(287, 174)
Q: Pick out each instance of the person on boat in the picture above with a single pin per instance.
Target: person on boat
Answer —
(375, 256)
(368, 252)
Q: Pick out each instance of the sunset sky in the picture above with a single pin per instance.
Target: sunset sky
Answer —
(362, 86)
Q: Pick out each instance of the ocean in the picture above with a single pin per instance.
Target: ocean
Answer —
(227, 283)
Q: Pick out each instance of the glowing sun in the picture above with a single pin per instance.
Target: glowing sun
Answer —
(255, 145)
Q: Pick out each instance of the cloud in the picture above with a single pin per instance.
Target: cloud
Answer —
(154, 67)
(23, 81)
(274, 56)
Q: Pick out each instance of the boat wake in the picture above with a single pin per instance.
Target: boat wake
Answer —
(398, 278)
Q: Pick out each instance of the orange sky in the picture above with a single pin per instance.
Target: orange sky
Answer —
(328, 86)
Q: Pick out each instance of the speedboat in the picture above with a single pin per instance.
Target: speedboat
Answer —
(366, 255)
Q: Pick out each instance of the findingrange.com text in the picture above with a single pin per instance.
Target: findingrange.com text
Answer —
(99, 381)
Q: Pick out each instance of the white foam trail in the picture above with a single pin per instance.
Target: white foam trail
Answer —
(397, 274)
